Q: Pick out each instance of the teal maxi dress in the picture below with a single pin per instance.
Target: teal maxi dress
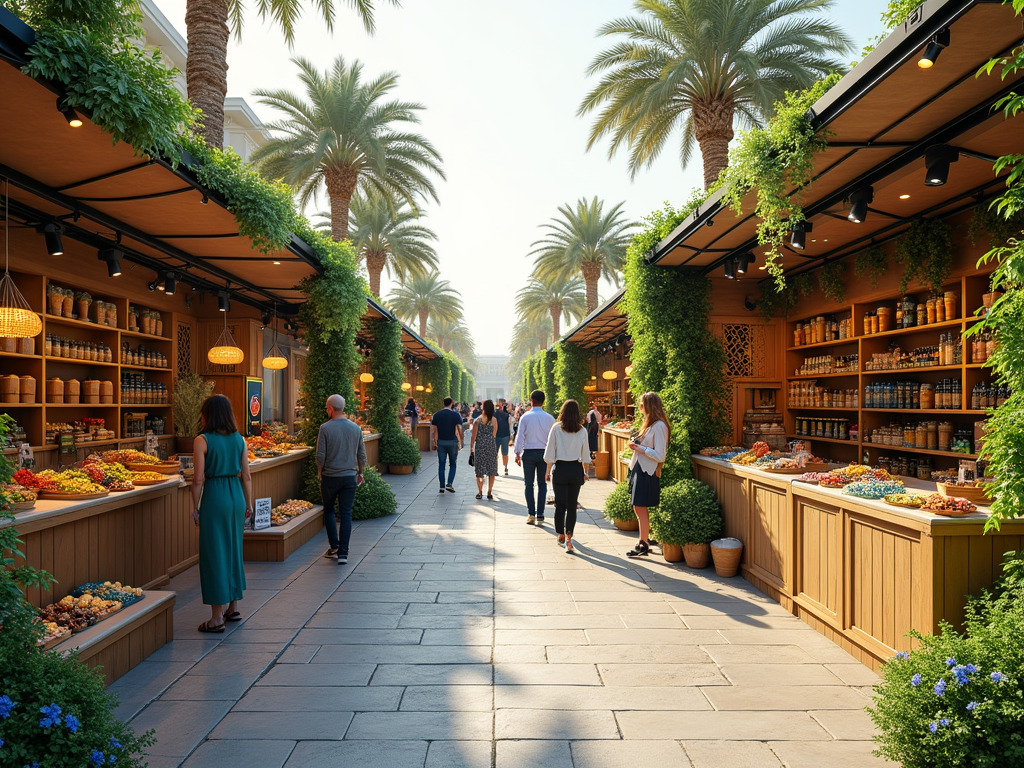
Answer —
(222, 520)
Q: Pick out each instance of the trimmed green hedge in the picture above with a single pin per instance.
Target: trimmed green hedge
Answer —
(396, 447)
(689, 513)
(618, 506)
(572, 372)
(374, 498)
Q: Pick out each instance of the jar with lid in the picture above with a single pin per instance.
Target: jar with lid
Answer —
(921, 436)
(922, 314)
(908, 312)
(929, 309)
(945, 432)
(927, 397)
(933, 435)
(924, 469)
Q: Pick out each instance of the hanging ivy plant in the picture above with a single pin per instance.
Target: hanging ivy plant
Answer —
(926, 253)
(772, 161)
(776, 301)
(987, 220)
(830, 280)
(572, 373)
(872, 263)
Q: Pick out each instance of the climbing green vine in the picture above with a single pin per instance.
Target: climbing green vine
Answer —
(872, 263)
(926, 253)
(455, 371)
(548, 360)
(830, 280)
(434, 375)
(571, 374)
(396, 447)
(774, 160)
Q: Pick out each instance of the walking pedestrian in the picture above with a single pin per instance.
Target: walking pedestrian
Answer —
(446, 435)
(567, 456)
(340, 460)
(531, 440)
(594, 412)
(484, 450)
(593, 432)
(414, 416)
(222, 493)
(645, 466)
(504, 433)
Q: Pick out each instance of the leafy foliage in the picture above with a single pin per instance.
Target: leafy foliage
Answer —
(456, 371)
(396, 447)
(374, 498)
(549, 358)
(331, 314)
(618, 506)
(990, 220)
(830, 280)
(426, 297)
(674, 353)
(572, 373)
(190, 392)
(435, 373)
(688, 514)
(555, 296)
(873, 263)
(956, 699)
(773, 160)
(125, 90)
(926, 252)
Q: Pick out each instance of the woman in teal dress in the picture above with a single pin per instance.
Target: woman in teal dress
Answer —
(222, 492)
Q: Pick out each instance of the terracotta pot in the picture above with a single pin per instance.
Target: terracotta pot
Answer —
(400, 469)
(672, 553)
(602, 465)
(83, 310)
(68, 304)
(697, 555)
(627, 525)
(184, 444)
(56, 303)
(726, 553)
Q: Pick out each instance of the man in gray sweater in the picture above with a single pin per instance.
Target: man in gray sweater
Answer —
(340, 459)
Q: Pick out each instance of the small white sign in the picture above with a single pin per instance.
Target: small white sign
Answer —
(261, 515)
(151, 444)
(26, 456)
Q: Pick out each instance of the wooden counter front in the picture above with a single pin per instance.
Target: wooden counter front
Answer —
(615, 441)
(861, 572)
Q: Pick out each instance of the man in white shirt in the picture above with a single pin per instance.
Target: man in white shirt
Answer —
(531, 440)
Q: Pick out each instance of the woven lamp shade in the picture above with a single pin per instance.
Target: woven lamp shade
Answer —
(17, 320)
(274, 360)
(366, 378)
(225, 351)
(610, 375)
(406, 386)
(419, 387)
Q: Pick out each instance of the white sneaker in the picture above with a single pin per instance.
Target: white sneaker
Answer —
(342, 561)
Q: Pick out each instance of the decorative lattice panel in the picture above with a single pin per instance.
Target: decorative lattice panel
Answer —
(745, 350)
(184, 361)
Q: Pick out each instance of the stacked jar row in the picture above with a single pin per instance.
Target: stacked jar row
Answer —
(913, 395)
(806, 394)
(73, 349)
(828, 364)
(136, 390)
(834, 429)
(142, 356)
(926, 435)
(821, 329)
(948, 352)
(908, 466)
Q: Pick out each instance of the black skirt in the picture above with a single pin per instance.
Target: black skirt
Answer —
(644, 489)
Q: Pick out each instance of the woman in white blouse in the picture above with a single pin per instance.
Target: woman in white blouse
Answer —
(645, 466)
(567, 456)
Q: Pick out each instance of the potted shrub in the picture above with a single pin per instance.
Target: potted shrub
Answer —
(189, 393)
(374, 498)
(688, 518)
(83, 300)
(619, 509)
(399, 451)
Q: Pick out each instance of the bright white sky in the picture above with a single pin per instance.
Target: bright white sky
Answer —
(501, 82)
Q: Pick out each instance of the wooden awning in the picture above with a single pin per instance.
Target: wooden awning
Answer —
(604, 324)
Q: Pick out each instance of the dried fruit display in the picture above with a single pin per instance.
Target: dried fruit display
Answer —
(904, 499)
(948, 505)
(129, 457)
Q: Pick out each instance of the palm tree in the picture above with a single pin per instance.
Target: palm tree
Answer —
(701, 65)
(346, 136)
(527, 338)
(426, 296)
(207, 27)
(555, 297)
(453, 336)
(587, 241)
(388, 236)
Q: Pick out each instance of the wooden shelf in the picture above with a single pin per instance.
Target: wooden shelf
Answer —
(147, 336)
(145, 405)
(821, 408)
(80, 405)
(950, 454)
(823, 439)
(933, 411)
(78, 323)
(820, 344)
(805, 376)
(145, 368)
(918, 369)
(23, 357)
(946, 324)
(5, 406)
(73, 361)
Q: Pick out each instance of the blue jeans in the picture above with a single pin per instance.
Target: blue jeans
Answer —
(534, 466)
(447, 449)
(340, 491)
(501, 444)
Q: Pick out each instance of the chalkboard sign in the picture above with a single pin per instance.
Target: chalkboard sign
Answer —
(261, 515)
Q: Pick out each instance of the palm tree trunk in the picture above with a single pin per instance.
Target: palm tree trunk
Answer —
(712, 127)
(556, 312)
(206, 70)
(591, 276)
(374, 265)
(423, 324)
(341, 185)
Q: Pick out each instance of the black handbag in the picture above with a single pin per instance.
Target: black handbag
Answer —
(471, 459)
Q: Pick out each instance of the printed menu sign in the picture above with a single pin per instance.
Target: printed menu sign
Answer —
(261, 515)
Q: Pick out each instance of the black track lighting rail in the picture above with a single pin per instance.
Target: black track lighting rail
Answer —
(104, 176)
(133, 198)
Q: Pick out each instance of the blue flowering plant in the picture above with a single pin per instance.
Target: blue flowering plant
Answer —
(956, 699)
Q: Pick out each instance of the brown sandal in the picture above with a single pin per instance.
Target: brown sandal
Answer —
(233, 616)
(207, 627)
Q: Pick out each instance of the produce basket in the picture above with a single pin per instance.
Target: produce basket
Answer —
(973, 493)
(165, 468)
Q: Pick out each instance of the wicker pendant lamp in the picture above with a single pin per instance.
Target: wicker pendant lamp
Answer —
(275, 361)
(17, 320)
(225, 351)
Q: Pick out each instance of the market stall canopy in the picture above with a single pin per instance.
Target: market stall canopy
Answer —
(604, 324)
(880, 120)
(105, 194)
(411, 341)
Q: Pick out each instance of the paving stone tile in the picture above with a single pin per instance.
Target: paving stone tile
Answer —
(546, 674)
(275, 637)
(317, 674)
(782, 697)
(458, 754)
(540, 637)
(432, 674)
(183, 650)
(517, 754)
(854, 674)
(283, 725)
(458, 637)
(734, 622)
(360, 754)
(577, 697)
(741, 726)
(652, 621)
(565, 621)
(854, 725)
(679, 636)
(350, 607)
(671, 675)
(217, 754)
(793, 674)
(181, 725)
(536, 609)
(814, 754)
(381, 637)
(613, 607)
(402, 654)
(760, 654)
(616, 754)
(143, 684)
(386, 726)
(737, 754)
(446, 622)
(451, 609)
(341, 620)
(448, 698)
(233, 662)
(641, 654)
(320, 699)
(554, 724)
(207, 688)
(521, 654)
(298, 654)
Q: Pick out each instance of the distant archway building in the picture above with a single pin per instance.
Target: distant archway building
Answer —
(492, 381)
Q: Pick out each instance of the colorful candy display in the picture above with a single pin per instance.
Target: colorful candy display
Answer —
(874, 489)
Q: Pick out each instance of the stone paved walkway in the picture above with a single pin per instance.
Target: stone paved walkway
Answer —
(459, 636)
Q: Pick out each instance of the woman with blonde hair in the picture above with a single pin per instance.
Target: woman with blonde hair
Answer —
(567, 455)
(645, 466)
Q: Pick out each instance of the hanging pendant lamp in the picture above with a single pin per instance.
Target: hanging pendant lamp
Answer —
(225, 351)
(17, 320)
(275, 361)
(366, 378)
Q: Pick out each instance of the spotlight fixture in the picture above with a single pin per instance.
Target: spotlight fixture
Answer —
(730, 269)
(223, 302)
(745, 261)
(113, 258)
(205, 200)
(859, 200)
(265, 318)
(152, 284)
(69, 114)
(169, 284)
(798, 240)
(52, 232)
(933, 49)
(936, 160)
(749, 305)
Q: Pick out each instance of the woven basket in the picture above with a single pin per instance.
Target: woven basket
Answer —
(971, 493)
(727, 554)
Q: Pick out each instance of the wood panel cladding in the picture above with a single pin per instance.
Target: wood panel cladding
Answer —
(819, 532)
(769, 533)
(117, 654)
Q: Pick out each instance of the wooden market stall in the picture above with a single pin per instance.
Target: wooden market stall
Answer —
(883, 374)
